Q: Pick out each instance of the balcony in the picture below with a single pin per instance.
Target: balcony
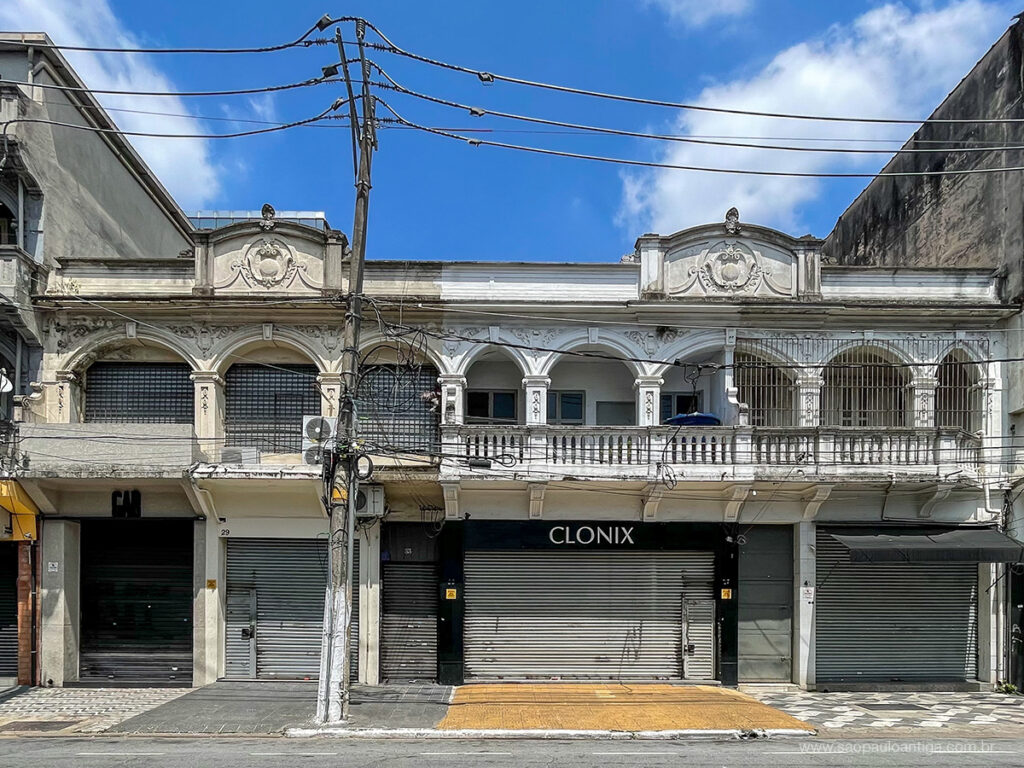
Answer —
(709, 453)
(106, 450)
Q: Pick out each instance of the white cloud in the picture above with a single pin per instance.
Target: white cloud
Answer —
(892, 61)
(697, 13)
(185, 166)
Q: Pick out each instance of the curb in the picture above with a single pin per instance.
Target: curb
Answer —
(430, 733)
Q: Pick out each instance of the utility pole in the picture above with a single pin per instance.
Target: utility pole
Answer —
(333, 701)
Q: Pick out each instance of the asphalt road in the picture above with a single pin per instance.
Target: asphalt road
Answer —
(106, 752)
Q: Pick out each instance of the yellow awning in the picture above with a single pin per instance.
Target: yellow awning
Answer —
(22, 509)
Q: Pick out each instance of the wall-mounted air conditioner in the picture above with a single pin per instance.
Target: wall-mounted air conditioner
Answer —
(317, 433)
(370, 501)
(230, 455)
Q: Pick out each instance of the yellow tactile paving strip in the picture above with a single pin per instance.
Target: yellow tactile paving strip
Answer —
(609, 707)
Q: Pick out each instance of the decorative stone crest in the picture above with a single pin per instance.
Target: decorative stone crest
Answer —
(729, 268)
(268, 263)
(204, 336)
(267, 223)
(732, 221)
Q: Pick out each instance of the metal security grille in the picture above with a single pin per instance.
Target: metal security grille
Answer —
(767, 390)
(275, 609)
(264, 406)
(409, 621)
(861, 388)
(881, 622)
(398, 407)
(957, 394)
(146, 393)
(766, 604)
(8, 610)
(599, 614)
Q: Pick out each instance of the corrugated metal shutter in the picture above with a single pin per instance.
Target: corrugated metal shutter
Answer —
(766, 604)
(136, 602)
(8, 610)
(275, 609)
(597, 614)
(893, 621)
(409, 621)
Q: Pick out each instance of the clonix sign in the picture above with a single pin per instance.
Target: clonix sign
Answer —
(591, 534)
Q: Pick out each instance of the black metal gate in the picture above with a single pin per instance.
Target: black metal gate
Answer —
(136, 602)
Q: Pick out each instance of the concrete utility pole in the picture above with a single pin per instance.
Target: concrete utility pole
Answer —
(333, 701)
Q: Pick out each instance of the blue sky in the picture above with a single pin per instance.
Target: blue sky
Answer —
(438, 199)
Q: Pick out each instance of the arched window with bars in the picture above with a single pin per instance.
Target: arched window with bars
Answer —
(767, 390)
(864, 387)
(958, 393)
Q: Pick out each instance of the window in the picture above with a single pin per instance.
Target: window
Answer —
(264, 405)
(398, 407)
(484, 406)
(140, 393)
(616, 414)
(673, 403)
(565, 407)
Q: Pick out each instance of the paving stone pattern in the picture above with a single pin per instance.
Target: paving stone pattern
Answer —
(80, 710)
(899, 709)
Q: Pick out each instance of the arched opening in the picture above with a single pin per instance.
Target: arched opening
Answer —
(266, 396)
(862, 387)
(695, 386)
(398, 402)
(144, 385)
(591, 390)
(767, 390)
(494, 390)
(957, 393)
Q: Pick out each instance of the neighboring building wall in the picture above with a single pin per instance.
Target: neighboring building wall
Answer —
(972, 220)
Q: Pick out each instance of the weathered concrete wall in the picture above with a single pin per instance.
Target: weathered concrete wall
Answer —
(956, 220)
(59, 609)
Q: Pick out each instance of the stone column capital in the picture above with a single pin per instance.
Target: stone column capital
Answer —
(206, 377)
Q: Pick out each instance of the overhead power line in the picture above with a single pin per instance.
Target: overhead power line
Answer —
(177, 94)
(476, 142)
(490, 77)
(475, 111)
(301, 41)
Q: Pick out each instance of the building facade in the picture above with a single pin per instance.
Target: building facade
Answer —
(724, 458)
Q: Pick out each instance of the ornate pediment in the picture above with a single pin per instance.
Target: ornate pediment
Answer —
(727, 260)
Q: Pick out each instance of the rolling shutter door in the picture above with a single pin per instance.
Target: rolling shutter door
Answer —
(893, 621)
(595, 614)
(275, 609)
(409, 621)
(136, 602)
(8, 610)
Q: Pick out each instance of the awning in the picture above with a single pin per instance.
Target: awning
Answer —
(972, 545)
(22, 511)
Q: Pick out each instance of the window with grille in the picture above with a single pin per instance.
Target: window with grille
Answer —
(766, 389)
(143, 393)
(398, 408)
(957, 394)
(264, 405)
(861, 388)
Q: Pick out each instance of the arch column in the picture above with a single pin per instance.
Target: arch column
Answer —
(648, 401)
(329, 385)
(923, 399)
(808, 404)
(209, 408)
(67, 402)
(453, 398)
(536, 388)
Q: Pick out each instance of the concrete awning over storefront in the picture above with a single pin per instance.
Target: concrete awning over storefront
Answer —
(973, 545)
(21, 510)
